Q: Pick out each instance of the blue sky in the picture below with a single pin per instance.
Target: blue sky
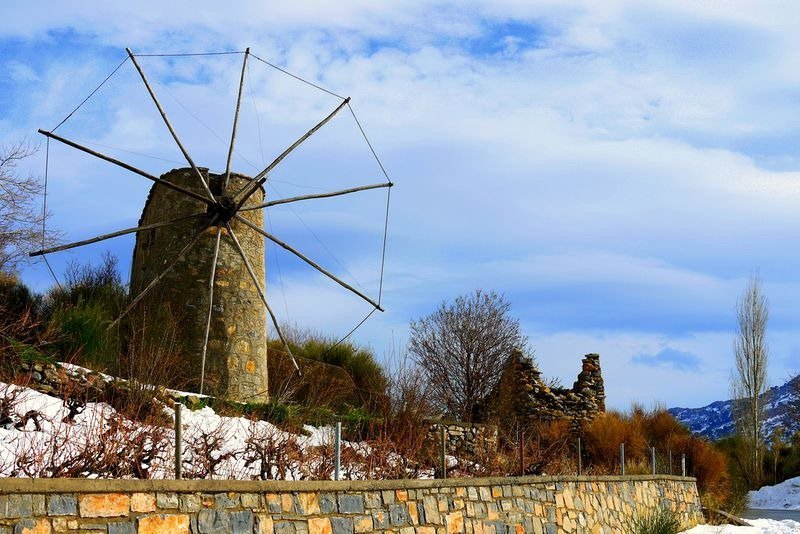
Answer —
(616, 170)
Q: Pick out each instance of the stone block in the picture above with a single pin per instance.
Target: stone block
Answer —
(226, 500)
(398, 515)
(167, 501)
(342, 525)
(454, 523)
(285, 527)
(213, 521)
(264, 524)
(143, 502)
(308, 503)
(320, 525)
(122, 527)
(362, 524)
(430, 507)
(327, 503)
(250, 500)
(104, 505)
(273, 503)
(58, 504)
(388, 496)
(33, 526)
(14, 506)
(351, 503)
(380, 519)
(164, 524)
(372, 499)
(37, 502)
(190, 503)
(287, 503)
(241, 522)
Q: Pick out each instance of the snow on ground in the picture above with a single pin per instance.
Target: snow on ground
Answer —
(783, 496)
(41, 437)
(759, 526)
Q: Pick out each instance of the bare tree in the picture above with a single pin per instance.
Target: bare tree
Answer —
(462, 348)
(749, 380)
(20, 214)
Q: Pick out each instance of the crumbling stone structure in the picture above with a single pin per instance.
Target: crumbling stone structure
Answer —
(236, 361)
(522, 393)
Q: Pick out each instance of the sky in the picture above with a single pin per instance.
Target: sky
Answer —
(616, 170)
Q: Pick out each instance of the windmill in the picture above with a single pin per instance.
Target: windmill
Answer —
(200, 250)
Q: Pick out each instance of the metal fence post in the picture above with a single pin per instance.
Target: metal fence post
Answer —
(622, 457)
(683, 464)
(178, 443)
(580, 460)
(670, 461)
(337, 452)
(443, 452)
(653, 457)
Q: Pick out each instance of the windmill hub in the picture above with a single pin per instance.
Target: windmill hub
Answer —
(224, 209)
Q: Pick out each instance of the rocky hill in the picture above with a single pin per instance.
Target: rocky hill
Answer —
(714, 421)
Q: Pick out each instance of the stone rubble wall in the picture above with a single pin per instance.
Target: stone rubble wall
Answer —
(463, 438)
(522, 391)
(549, 505)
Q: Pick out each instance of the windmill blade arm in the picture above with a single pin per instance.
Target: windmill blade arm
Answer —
(169, 125)
(319, 195)
(125, 166)
(162, 274)
(210, 309)
(115, 234)
(308, 261)
(261, 293)
(260, 178)
(235, 122)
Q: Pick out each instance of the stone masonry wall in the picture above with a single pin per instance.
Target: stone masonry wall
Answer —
(463, 438)
(236, 362)
(473, 506)
(522, 392)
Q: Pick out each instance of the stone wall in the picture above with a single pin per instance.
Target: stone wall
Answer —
(473, 506)
(236, 363)
(463, 438)
(522, 392)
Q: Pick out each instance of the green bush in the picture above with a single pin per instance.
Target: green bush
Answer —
(661, 521)
(80, 311)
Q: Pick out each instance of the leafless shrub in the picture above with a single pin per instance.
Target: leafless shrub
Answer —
(206, 451)
(275, 454)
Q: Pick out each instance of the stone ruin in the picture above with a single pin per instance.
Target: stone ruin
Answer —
(522, 393)
(236, 360)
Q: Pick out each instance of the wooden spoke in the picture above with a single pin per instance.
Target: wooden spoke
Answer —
(308, 261)
(131, 168)
(169, 125)
(161, 275)
(318, 195)
(261, 293)
(260, 178)
(235, 122)
(115, 234)
(210, 308)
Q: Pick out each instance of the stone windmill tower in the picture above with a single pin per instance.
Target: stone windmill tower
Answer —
(199, 258)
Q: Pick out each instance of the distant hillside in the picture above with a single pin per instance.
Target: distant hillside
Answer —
(714, 421)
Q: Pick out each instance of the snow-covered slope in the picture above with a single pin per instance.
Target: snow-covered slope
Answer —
(783, 496)
(714, 421)
(758, 526)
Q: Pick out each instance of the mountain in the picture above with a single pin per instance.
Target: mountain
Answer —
(714, 421)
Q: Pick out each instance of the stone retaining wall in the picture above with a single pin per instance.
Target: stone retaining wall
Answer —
(474, 506)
